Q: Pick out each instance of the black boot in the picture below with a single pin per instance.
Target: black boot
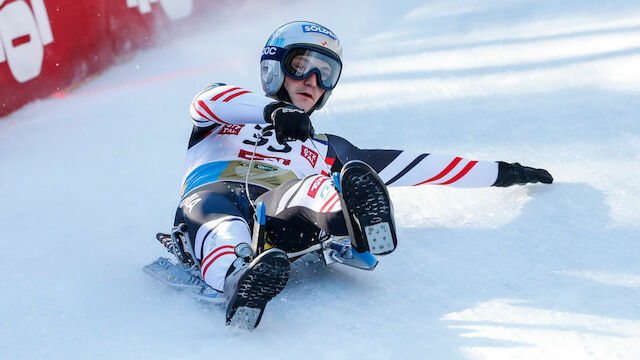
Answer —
(367, 209)
(248, 286)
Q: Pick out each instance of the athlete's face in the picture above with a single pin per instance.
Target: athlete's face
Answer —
(303, 93)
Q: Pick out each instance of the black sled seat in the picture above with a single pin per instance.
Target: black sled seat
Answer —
(367, 209)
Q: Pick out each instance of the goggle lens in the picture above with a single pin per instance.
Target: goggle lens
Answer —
(301, 63)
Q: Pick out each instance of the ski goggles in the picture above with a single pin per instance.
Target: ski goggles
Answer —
(300, 63)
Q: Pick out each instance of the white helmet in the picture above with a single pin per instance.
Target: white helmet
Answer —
(301, 40)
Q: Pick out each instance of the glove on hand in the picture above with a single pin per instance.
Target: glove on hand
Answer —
(291, 123)
(516, 174)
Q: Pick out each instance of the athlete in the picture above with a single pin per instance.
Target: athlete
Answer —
(247, 148)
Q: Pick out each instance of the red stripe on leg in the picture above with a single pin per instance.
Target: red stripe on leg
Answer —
(334, 204)
(328, 201)
(204, 271)
(214, 251)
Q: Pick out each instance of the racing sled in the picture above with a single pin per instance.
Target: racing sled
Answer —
(368, 215)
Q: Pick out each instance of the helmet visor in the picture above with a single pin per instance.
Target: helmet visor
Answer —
(300, 63)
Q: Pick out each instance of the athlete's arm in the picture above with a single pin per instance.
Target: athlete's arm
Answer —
(403, 168)
(226, 105)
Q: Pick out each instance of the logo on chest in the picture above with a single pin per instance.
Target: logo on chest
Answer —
(231, 129)
(248, 155)
(310, 155)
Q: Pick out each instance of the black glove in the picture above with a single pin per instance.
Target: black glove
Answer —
(291, 123)
(516, 174)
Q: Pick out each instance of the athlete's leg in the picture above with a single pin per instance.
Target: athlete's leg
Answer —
(299, 209)
(215, 216)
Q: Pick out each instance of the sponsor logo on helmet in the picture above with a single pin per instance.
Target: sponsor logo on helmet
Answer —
(319, 29)
(269, 50)
(272, 53)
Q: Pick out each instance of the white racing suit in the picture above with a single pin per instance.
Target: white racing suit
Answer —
(292, 179)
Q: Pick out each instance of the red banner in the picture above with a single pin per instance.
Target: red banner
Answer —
(48, 46)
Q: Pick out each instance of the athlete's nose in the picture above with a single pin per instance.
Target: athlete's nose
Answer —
(311, 80)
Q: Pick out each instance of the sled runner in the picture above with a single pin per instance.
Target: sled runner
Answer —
(181, 276)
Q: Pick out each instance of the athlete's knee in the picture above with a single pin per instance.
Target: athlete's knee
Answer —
(316, 193)
(217, 241)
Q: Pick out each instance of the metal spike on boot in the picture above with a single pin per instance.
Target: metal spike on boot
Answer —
(250, 284)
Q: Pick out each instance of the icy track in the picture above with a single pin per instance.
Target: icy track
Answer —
(535, 272)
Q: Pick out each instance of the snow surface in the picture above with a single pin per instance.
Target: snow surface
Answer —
(534, 272)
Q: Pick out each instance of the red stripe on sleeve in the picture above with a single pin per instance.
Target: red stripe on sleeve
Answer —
(443, 172)
(199, 113)
(223, 93)
(462, 173)
(329, 161)
(206, 108)
(235, 95)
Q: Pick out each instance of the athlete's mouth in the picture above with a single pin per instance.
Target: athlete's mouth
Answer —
(306, 94)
